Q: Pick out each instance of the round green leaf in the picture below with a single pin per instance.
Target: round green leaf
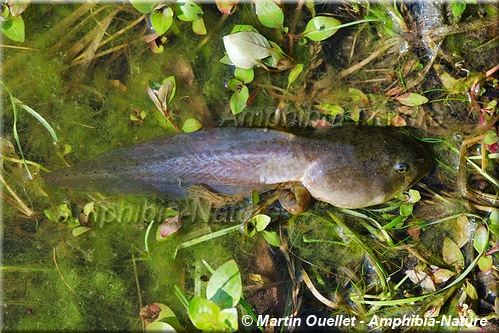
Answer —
(14, 29)
(238, 100)
(245, 75)
(225, 287)
(188, 11)
(191, 125)
(246, 48)
(159, 326)
(144, 6)
(227, 320)
(162, 20)
(320, 28)
(261, 221)
(198, 26)
(203, 313)
(485, 264)
(406, 209)
(481, 241)
(269, 14)
(234, 84)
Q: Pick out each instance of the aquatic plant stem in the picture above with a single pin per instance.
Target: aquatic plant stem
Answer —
(26, 210)
(59, 271)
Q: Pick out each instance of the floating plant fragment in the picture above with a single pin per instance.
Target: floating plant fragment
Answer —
(245, 49)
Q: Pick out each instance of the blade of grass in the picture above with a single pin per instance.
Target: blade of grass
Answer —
(38, 117)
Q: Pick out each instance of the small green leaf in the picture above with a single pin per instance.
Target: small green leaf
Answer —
(144, 6)
(272, 238)
(225, 286)
(14, 29)
(77, 231)
(295, 72)
(485, 264)
(331, 109)
(159, 326)
(238, 100)
(203, 313)
(490, 138)
(188, 11)
(227, 320)
(406, 209)
(481, 239)
(191, 125)
(414, 196)
(269, 14)
(245, 75)
(234, 84)
(198, 26)
(162, 20)
(320, 28)
(246, 48)
(411, 99)
(458, 8)
(261, 221)
(452, 254)
(494, 217)
(89, 208)
(243, 27)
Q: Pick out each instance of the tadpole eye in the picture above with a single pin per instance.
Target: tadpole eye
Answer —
(401, 167)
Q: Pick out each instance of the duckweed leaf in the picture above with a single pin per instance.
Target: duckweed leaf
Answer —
(269, 14)
(14, 29)
(295, 72)
(411, 99)
(246, 48)
(198, 26)
(162, 20)
(144, 6)
(225, 286)
(238, 100)
(452, 254)
(481, 240)
(320, 28)
(188, 11)
(245, 75)
(191, 125)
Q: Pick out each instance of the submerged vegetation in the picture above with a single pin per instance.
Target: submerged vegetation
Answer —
(80, 79)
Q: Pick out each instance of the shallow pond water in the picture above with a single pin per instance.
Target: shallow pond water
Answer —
(90, 261)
